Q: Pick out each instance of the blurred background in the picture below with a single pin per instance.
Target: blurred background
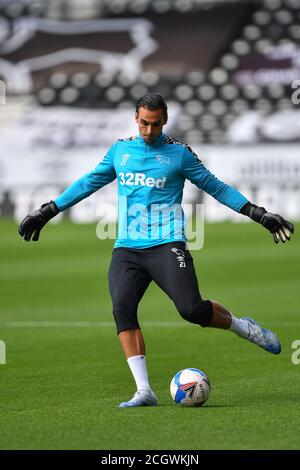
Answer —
(71, 72)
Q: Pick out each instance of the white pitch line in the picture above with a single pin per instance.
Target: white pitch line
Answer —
(84, 324)
(111, 324)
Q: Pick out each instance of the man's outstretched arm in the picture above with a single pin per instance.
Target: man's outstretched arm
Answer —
(103, 174)
(195, 171)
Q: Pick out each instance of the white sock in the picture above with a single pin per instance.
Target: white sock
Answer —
(240, 327)
(139, 371)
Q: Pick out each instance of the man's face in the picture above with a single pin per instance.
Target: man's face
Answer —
(150, 123)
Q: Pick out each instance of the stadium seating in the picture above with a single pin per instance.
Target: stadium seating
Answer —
(210, 100)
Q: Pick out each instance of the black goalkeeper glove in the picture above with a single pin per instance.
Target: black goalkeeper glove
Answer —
(280, 228)
(34, 222)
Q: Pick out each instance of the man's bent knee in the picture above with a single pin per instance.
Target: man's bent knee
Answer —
(200, 313)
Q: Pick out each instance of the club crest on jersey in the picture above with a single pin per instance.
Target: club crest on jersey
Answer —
(163, 159)
(180, 257)
(124, 159)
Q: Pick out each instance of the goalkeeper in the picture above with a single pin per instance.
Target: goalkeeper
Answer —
(151, 169)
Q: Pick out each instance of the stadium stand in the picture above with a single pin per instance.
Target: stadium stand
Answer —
(250, 71)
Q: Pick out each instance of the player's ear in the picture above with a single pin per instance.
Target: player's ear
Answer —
(136, 116)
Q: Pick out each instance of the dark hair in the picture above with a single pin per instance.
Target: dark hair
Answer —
(152, 101)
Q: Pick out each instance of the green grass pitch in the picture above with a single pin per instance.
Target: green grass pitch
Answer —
(65, 374)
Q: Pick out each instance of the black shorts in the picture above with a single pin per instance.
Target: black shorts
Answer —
(171, 267)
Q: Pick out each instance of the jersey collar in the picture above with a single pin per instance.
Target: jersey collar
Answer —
(156, 143)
